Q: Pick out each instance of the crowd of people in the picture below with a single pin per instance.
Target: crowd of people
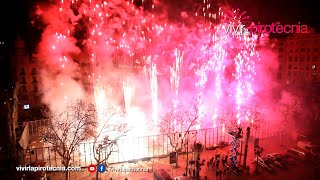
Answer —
(220, 168)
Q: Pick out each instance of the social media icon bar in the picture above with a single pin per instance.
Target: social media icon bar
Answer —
(102, 168)
(92, 168)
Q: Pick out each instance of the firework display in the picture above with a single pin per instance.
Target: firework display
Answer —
(137, 58)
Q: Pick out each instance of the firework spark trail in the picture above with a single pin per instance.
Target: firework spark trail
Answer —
(175, 73)
(201, 73)
(175, 79)
(100, 102)
(244, 76)
(128, 93)
(154, 94)
(220, 55)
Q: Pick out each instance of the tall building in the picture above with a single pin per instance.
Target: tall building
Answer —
(27, 75)
(299, 72)
(299, 56)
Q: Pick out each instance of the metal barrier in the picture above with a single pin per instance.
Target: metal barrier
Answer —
(130, 148)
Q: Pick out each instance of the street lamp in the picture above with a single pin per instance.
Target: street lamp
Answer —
(186, 173)
(257, 151)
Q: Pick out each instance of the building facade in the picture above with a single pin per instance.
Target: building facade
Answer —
(27, 75)
(299, 57)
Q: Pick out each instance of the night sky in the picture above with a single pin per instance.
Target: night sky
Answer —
(284, 11)
(13, 18)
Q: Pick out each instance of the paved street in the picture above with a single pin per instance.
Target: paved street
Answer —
(299, 171)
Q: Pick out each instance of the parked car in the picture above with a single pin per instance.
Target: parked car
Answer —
(297, 153)
(313, 149)
(269, 163)
(264, 164)
(276, 161)
(286, 161)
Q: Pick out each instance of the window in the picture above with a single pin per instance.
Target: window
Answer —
(23, 81)
(316, 50)
(25, 97)
(301, 58)
(313, 67)
(290, 58)
(26, 106)
(307, 67)
(289, 73)
(301, 67)
(24, 88)
(315, 59)
(295, 67)
(35, 89)
(308, 58)
(290, 50)
(297, 50)
(34, 79)
(290, 66)
(295, 73)
(33, 60)
(281, 49)
(34, 71)
(296, 59)
(22, 72)
(308, 49)
(302, 50)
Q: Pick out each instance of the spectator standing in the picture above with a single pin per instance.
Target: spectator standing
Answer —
(217, 164)
(217, 173)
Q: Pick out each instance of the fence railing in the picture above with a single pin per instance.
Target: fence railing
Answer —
(132, 148)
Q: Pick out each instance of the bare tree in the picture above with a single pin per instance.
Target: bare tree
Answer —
(176, 125)
(249, 114)
(288, 111)
(68, 128)
(13, 122)
(253, 116)
(227, 117)
(112, 129)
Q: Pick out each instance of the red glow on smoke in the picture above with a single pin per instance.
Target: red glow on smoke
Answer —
(216, 67)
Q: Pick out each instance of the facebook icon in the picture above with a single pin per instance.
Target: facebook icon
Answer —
(101, 168)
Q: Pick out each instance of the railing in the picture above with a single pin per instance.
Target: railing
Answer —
(131, 148)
